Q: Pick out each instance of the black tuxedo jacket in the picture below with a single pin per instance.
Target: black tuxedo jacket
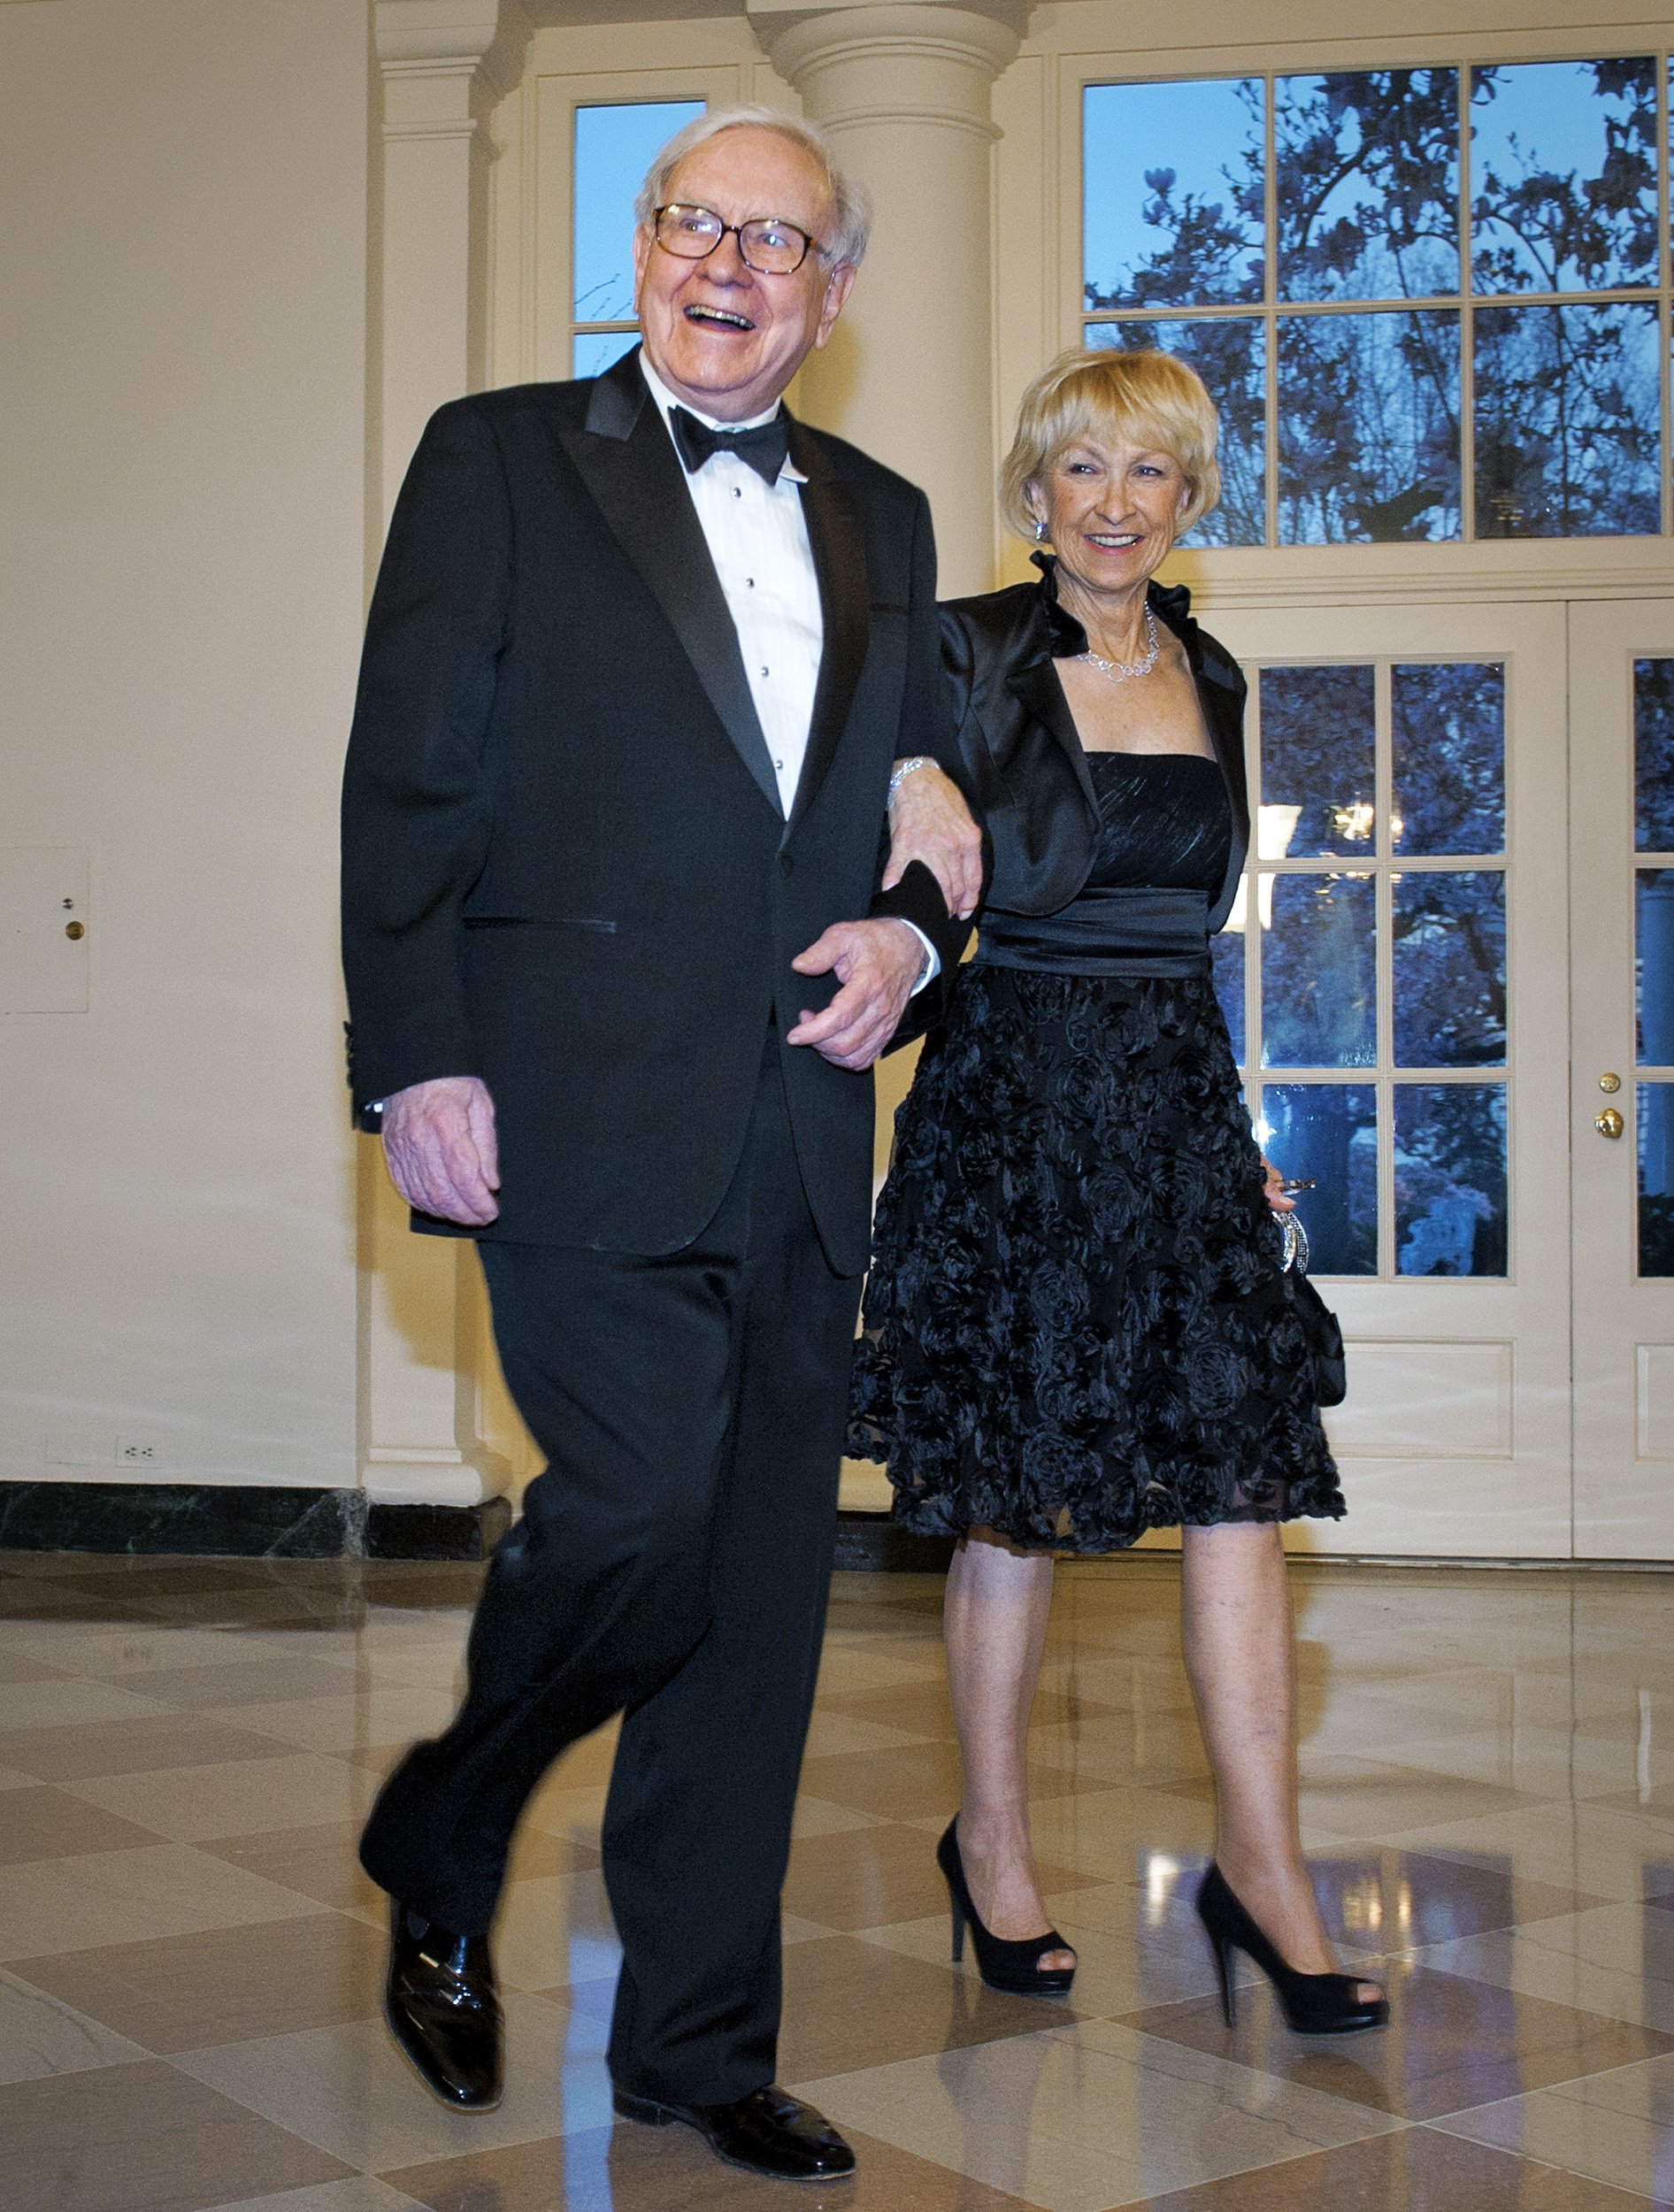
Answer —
(1023, 764)
(565, 869)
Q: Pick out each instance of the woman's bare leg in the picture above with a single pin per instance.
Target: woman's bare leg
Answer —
(1240, 1654)
(994, 1621)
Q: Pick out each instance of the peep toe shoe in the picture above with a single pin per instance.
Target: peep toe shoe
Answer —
(1312, 2004)
(1013, 1967)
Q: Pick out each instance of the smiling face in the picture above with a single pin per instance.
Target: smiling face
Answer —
(1112, 508)
(722, 337)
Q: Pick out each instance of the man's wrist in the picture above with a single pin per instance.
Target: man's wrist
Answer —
(929, 966)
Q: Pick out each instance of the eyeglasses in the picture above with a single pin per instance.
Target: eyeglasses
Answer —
(765, 244)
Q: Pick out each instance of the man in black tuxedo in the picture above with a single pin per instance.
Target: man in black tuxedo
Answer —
(646, 660)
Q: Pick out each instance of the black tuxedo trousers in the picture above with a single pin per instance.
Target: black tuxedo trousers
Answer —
(672, 1560)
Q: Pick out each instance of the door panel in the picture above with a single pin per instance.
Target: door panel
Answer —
(1405, 1022)
(1621, 708)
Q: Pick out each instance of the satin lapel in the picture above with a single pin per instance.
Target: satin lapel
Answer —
(839, 549)
(627, 461)
(1041, 692)
(1226, 733)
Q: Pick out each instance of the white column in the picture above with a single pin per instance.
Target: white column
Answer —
(443, 63)
(904, 94)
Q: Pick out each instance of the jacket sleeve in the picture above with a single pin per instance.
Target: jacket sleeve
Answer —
(415, 817)
(928, 724)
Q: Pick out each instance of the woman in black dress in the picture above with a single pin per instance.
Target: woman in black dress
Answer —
(1077, 1326)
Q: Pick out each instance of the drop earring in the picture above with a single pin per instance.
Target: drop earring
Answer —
(1039, 530)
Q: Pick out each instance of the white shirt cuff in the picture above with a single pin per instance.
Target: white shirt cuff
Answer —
(932, 968)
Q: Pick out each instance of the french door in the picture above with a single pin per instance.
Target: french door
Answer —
(1450, 985)
(1398, 994)
(1622, 1077)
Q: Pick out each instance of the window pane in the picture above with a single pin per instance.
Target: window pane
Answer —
(1450, 1179)
(1447, 939)
(1569, 436)
(1328, 1131)
(1563, 175)
(1318, 736)
(1654, 757)
(613, 150)
(1172, 195)
(1318, 961)
(1230, 354)
(1367, 184)
(1368, 428)
(1449, 758)
(1228, 954)
(1655, 966)
(1656, 1178)
(594, 350)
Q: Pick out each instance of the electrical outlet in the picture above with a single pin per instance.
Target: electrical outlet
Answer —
(136, 1452)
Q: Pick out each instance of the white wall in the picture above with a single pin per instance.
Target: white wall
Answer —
(182, 317)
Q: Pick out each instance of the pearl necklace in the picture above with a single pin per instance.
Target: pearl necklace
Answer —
(1121, 672)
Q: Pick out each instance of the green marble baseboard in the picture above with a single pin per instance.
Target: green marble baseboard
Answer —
(239, 1521)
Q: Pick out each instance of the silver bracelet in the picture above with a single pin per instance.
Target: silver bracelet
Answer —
(902, 769)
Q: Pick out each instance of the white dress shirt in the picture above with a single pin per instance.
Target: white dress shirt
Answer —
(758, 538)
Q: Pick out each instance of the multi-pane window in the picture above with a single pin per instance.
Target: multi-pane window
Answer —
(1428, 302)
(1363, 972)
(1653, 959)
(613, 149)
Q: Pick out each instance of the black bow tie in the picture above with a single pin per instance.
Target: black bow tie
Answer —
(766, 449)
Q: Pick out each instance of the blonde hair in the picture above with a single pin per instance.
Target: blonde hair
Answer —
(1150, 397)
(850, 209)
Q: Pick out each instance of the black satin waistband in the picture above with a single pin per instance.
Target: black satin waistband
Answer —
(1121, 931)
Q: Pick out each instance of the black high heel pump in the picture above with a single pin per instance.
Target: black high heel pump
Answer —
(1013, 1967)
(1312, 2004)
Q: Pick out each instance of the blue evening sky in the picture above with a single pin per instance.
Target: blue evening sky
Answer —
(1432, 266)
(613, 150)
(1554, 110)
(1197, 129)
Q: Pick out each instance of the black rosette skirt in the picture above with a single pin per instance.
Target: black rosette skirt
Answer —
(1077, 1326)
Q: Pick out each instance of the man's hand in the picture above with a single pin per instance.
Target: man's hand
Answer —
(930, 821)
(439, 1143)
(877, 963)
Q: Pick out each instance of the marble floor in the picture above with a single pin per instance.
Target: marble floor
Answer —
(189, 1959)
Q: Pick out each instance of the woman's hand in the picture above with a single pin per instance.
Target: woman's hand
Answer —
(930, 821)
(1276, 1194)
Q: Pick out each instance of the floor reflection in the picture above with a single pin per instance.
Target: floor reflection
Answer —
(189, 1956)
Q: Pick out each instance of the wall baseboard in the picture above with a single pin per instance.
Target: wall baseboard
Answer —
(259, 1521)
(239, 1521)
(872, 1543)
(436, 1532)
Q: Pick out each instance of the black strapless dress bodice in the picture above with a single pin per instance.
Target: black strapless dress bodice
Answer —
(1164, 837)
(1077, 1326)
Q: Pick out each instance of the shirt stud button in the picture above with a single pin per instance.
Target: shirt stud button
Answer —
(763, 671)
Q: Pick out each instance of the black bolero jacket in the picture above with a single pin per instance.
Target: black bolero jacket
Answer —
(1027, 773)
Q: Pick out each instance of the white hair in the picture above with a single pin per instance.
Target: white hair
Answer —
(851, 210)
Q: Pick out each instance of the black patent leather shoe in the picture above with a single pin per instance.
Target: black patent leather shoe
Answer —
(767, 2133)
(444, 2011)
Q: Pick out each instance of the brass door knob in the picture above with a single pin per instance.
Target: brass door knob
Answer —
(74, 932)
(1609, 1123)
(1609, 1083)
